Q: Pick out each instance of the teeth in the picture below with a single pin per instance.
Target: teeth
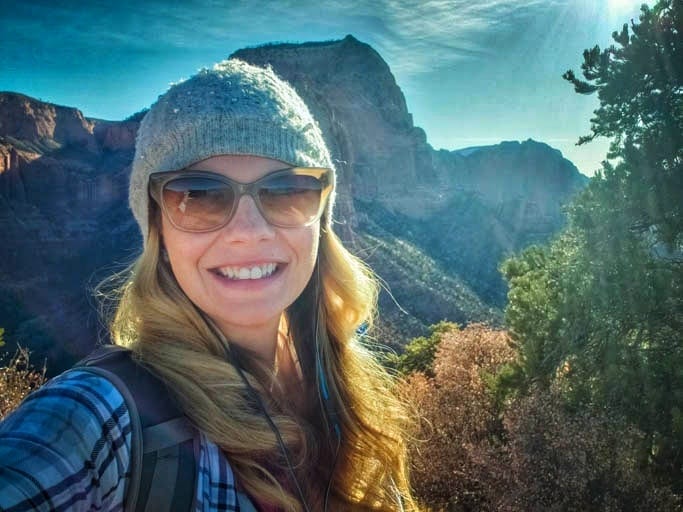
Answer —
(255, 272)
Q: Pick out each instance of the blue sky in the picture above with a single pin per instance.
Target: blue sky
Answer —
(473, 72)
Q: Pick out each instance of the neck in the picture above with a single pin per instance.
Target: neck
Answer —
(260, 341)
(270, 345)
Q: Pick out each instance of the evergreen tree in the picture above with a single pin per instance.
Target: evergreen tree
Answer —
(639, 82)
(419, 353)
(599, 312)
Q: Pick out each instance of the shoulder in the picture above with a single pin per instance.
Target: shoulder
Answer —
(72, 434)
(74, 395)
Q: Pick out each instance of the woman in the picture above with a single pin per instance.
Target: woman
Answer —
(246, 305)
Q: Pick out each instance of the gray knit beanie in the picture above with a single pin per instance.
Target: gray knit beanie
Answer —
(233, 109)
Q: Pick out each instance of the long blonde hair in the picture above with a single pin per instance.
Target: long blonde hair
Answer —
(171, 337)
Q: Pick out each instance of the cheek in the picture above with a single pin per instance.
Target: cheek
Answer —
(304, 244)
(309, 244)
(183, 249)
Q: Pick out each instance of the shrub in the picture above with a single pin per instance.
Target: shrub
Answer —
(17, 380)
(418, 355)
(557, 459)
(459, 418)
(530, 453)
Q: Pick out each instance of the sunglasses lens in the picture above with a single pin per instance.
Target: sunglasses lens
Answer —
(198, 203)
(205, 201)
(290, 200)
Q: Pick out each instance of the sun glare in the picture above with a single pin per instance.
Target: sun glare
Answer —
(617, 7)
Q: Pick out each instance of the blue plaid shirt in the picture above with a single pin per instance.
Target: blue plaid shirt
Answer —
(67, 447)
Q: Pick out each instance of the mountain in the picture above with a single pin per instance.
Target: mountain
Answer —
(64, 219)
(433, 224)
(465, 210)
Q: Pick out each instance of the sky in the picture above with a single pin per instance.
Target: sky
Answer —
(473, 72)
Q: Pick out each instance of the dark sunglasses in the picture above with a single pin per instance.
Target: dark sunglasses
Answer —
(201, 201)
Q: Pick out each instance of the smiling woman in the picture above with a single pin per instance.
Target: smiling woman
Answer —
(246, 271)
(236, 331)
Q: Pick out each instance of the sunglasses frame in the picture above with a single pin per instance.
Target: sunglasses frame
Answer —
(158, 180)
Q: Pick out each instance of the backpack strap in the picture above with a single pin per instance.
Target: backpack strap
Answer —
(165, 445)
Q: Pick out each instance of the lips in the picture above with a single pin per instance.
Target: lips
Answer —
(248, 272)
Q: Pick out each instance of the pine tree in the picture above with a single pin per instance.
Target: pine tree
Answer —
(639, 82)
(599, 312)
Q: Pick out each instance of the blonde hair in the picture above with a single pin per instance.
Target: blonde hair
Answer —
(171, 337)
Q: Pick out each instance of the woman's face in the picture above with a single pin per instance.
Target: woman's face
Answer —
(219, 271)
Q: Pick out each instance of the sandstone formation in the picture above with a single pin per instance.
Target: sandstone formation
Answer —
(362, 112)
(63, 215)
(385, 158)
(43, 123)
(434, 224)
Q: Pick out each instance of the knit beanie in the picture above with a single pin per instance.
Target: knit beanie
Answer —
(233, 109)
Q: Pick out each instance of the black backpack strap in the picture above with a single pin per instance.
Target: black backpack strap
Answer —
(165, 445)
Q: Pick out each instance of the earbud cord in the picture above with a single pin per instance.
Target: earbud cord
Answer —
(278, 436)
(269, 420)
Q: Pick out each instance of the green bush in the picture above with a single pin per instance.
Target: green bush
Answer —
(418, 354)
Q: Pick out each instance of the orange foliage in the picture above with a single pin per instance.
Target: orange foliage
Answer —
(532, 456)
(458, 418)
(561, 460)
(17, 380)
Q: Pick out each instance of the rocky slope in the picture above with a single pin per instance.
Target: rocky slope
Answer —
(62, 177)
(434, 224)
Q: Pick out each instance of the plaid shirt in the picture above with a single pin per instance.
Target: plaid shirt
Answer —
(67, 447)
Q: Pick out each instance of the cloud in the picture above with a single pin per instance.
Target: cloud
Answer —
(418, 36)
(413, 35)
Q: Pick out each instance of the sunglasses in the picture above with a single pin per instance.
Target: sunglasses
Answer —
(202, 201)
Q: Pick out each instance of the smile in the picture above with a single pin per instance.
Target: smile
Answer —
(254, 272)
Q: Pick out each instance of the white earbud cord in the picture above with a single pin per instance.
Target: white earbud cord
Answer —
(269, 420)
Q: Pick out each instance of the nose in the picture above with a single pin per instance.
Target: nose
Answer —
(247, 224)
